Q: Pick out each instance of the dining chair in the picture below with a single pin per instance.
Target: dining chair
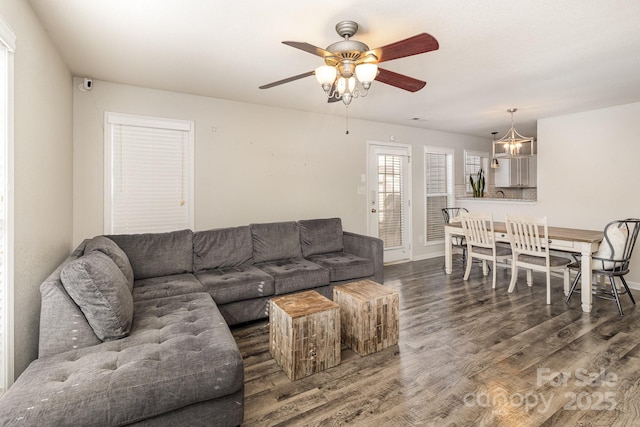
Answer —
(611, 260)
(481, 244)
(452, 214)
(529, 239)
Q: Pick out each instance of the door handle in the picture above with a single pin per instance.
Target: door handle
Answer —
(373, 210)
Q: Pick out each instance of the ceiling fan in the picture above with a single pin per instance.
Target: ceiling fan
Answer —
(350, 66)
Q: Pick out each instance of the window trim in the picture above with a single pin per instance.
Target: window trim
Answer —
(112, 118)
(437, 150)
(8, 39)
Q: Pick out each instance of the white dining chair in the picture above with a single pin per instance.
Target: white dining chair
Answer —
(481, 244)
(529, 238)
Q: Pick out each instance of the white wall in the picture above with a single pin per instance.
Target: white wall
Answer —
(588, 171)
(252, 163)
(43, 169)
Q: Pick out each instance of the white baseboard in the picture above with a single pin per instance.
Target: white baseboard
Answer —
(633, 285)
(427, 256)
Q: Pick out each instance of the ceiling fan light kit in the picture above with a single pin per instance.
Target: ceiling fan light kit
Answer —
(351, 67)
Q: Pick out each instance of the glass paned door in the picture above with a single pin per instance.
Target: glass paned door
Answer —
(389, 200)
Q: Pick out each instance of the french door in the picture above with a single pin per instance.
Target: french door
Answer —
(388, 200)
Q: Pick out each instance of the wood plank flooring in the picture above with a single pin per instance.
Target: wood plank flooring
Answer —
(468, 356)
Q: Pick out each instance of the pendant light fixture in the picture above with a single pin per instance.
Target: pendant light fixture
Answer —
(512, 142)
(494, 163)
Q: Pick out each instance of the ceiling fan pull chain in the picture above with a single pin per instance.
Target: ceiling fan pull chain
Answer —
(347, 132)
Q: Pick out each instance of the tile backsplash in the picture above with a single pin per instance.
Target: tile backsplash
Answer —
(509, 193)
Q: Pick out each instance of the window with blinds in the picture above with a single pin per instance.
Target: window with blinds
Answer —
(439, 191)
(7, 46)
(390, 200)
(150, 168)
(473, 162)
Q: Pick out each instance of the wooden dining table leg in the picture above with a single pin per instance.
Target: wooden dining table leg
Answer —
(585, 284)
(448, 265)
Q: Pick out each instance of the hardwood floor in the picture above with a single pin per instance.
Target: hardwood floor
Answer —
(467, 356)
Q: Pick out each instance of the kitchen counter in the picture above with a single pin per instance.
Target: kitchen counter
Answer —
(495, 199)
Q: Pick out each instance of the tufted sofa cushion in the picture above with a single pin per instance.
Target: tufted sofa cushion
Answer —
(166, 286)
(175, 343)
(239, 283)
(275, 241)
(291, 275)
(108, 247)
(321, 236)
(157, 254)
(344, 266)
(223, 247)
(100, 289)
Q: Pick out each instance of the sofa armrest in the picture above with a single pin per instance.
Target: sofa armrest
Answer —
(366, 247)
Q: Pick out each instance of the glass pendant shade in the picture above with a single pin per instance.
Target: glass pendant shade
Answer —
(326, 74)
(366, 73)
(351, 84)
(341, 85)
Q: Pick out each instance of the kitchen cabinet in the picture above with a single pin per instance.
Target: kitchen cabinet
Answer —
(517, 172)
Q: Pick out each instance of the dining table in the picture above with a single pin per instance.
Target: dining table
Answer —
(570, 240)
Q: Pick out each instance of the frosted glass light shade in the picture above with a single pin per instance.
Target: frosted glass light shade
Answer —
(341, 85)
(351, 84)
(366, 72)
(346, 85)
(325, 74)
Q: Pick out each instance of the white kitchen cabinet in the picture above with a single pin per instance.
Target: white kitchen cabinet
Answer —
(517, 172)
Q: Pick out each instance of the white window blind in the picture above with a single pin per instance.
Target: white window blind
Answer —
(390, 200)
(150, 174)
(439, 192)
(7, 46)
(473, 162)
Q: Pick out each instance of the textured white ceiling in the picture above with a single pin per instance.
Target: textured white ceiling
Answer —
(545, 57)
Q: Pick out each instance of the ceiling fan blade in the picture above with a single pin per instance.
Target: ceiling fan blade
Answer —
(420, 43)
(399, 80)
(309, 48)
(288, 79)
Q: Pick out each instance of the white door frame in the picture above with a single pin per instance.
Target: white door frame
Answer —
(397, 149)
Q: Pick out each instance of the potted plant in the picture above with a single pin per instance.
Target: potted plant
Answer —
(478, 184)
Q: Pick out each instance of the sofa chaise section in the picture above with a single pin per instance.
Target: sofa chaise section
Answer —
(179, 353)
(177, 360)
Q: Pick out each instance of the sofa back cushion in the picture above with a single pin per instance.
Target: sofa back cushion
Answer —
(108, 247)
(223, 247)
(321, 236)
(98, 287)
(158, 254)
(276, 240)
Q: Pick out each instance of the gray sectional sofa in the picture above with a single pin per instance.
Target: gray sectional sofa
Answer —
(134, 329)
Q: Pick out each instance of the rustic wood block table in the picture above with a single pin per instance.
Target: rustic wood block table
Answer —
(304, 333)
(369, 316)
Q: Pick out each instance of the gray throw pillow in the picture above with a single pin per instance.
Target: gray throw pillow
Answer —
(109, 248)
(97, 285)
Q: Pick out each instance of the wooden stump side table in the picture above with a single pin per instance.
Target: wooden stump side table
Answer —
(304, 333)
(369, 316)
